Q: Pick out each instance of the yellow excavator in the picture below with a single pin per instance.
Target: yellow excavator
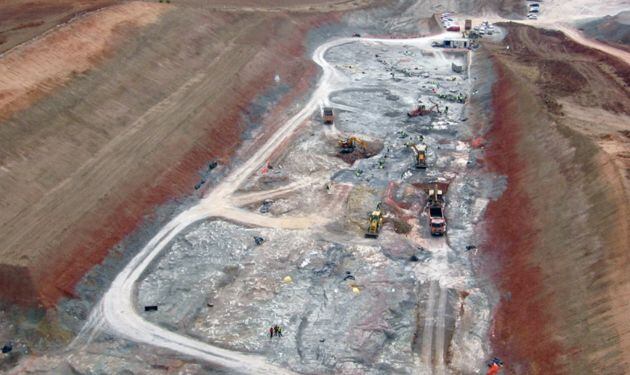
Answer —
(421, 154)
(375, 222)
(347, 145)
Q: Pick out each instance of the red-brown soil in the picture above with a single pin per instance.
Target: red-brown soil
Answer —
(557, 238)
(30, 71)
(20, 20)
(520, 330)
(79, 173)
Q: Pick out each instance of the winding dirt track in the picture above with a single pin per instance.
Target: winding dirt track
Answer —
(116, 311)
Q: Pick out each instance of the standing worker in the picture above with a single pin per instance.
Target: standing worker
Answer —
(270, 333)
(495, 366)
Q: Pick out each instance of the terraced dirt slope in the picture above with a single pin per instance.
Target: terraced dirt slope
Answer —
(120, 110)
(560, 233)
(21, 21)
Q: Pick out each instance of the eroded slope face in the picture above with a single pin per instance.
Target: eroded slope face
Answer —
(23, 20)
(560, 231)
(32, 70)
(116, 113)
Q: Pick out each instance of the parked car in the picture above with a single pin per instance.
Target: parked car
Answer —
(532, 16)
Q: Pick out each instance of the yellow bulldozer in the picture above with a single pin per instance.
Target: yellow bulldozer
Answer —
(347, 145)
(375, 220)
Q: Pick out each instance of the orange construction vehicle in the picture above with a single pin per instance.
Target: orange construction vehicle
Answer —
(347, 145)
(328, 115)
(435, 208)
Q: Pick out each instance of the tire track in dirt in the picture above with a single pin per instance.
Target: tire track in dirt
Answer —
(426, 353)
(117, 308)
(440, 333)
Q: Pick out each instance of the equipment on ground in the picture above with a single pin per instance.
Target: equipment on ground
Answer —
(347, 145)
(459, 98)
(421, 155)
(328, 115)
(375, 222)
(435, 208)
(422, 110)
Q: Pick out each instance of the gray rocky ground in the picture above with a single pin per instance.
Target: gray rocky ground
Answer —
(353, 304)
(396, 313)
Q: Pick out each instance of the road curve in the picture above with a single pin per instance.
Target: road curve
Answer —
(116, 312)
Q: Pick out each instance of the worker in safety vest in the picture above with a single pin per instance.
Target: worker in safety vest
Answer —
(494, 366)
(493, 369)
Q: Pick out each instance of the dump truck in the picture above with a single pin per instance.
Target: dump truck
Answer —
(435, 208)
(468, 25)
(348, 145)
(328, 115)
(375, 221)
(421, 155)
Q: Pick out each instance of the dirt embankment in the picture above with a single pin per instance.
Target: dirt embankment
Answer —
(32, 70)
(20, 21)
(128, 128)
(558, 236)
(614, 30)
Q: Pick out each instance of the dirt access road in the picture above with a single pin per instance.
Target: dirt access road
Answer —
(117, 313)
(121, 108)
